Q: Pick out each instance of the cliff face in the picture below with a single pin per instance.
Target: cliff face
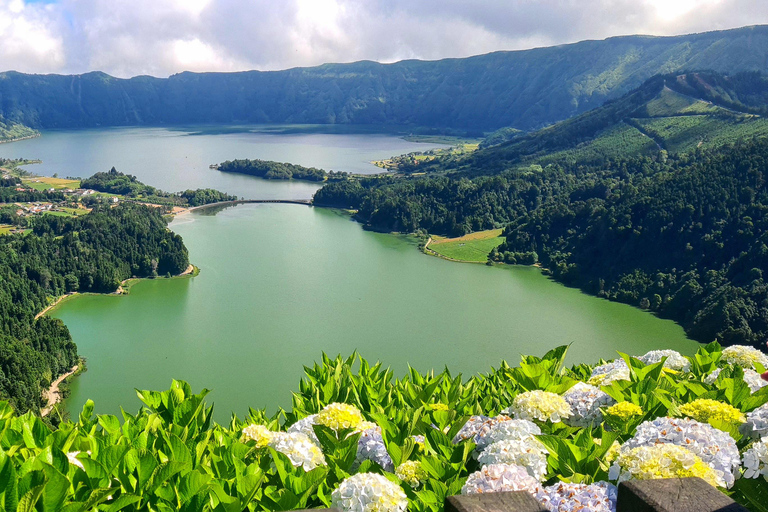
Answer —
(525, 89)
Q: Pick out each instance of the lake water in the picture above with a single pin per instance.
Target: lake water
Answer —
(280, 284)
(174, 159)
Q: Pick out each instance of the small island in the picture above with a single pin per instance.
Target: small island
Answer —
(270, 170)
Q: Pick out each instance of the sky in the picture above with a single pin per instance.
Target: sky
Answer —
(161, 37)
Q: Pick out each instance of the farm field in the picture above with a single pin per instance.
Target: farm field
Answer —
(473, 247)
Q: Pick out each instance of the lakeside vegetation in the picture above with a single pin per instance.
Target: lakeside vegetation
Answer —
(90, 253)
(415, 440)
(115, 182)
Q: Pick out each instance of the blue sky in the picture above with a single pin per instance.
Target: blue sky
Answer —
(161, 37)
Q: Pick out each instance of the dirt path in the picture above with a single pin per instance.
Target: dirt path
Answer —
(53, 305)
(52, 395)
(190, 269)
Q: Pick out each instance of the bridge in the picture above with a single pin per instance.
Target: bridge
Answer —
(305, 202)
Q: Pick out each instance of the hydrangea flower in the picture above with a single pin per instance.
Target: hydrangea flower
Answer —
(371, 447)
(369, 492)
(500, 478)
(528, 453)
(744, 356)
(605, 374)
(715, 447)
(259, 433)
(540, 405)
(478, 426)
(438, 407)
(756, 461)
(756, 425)
(565, 497)
(675, 360)
(622, 412)
(304, 426)
(585, 402)
(508, 429)
(338, 416)
(704, 410)
(662, 461)
(299, 449)
(411, 473)
(751, 378)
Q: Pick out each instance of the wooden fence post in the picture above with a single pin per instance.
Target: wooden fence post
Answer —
(673, 495)
(520, 501)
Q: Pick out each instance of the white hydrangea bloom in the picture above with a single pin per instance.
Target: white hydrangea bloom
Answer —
(675, 360)
(605, 374)
(715, 447)
(585, 402)
(751, 378)
(371, 447)
(500, 478)
(744, 356)
(565, 497)
(756, 461)
(540, 405)
(478, 426)
(528, 453)
(299, 449)
(369, 492)
(304, 426)
(509, 429)
(756, 425)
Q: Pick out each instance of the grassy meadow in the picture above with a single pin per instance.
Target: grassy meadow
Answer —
(473, 247)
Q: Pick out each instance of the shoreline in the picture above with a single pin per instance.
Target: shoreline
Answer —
(123, 289)
(53, 394)
(17, 139)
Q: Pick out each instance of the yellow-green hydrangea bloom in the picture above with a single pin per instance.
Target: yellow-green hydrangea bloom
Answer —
(744, 356)
(540, 405)
(338, 416)
(662, 461)
(259, 433)
(704, 410)
(411, 473)
(622, 412)
(438, 407)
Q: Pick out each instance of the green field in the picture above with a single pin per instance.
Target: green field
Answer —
(473, 247)
(44, 183)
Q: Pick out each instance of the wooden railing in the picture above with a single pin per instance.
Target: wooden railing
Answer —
(667, 495)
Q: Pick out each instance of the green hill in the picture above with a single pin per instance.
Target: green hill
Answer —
(676, 113)
(522, 89)
(14, 131)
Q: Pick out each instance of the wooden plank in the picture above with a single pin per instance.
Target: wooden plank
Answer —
(494, 502)
(673, 495)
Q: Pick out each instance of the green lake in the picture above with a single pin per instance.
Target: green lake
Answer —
(280, 284)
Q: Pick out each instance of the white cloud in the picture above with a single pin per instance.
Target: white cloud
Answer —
(160, 37)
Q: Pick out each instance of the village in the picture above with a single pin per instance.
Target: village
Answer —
(65, 198)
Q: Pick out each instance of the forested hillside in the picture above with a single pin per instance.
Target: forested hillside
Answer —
(92, 253)
(523, 89)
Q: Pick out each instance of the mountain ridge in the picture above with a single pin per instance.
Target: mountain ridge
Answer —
(525, 89)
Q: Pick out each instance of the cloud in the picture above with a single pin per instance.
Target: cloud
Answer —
(161, 37)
